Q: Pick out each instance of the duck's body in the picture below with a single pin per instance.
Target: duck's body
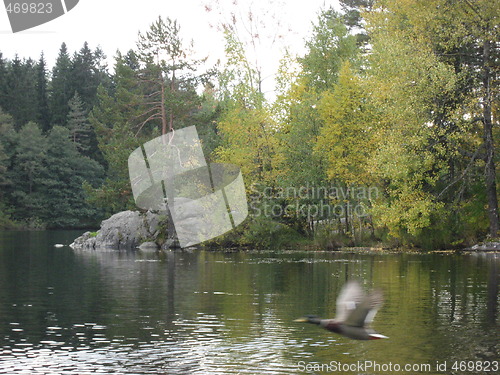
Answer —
(355, 311)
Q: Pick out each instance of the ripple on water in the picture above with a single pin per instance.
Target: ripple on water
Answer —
(201, 346)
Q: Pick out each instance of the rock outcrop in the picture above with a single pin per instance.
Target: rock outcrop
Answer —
(127, 230)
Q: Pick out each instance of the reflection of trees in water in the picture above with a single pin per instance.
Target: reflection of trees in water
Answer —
(467, 288)
(493, 280)
(140, 290)
(465, 296)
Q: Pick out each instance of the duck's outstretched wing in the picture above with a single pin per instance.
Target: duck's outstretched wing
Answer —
(366, 310)
(350, 297)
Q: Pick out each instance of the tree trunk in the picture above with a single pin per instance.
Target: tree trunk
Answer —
(163, 110)
(490, 171)
(172, 90)
(168, 185)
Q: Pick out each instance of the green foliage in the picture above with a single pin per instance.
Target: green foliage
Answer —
(28, 172)
(205, 121)
(331, 44)
(265, 233)
(5, 181)
(258, 232)
(352, 15)
(110, 119)
(167, 76)
(429, 124)
(327, 236)
(3, 82)
(6, 221)
(301, 125)
(83, 74)
(302, 111)
(66, 171)
(248, 142)
(246, 126)
(240, 80)
(27, 94)
(154, 89)
(346, 138)
(42, 178)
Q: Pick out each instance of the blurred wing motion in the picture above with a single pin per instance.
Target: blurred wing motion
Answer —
(355, 308)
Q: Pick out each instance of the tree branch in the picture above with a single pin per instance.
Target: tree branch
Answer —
(474, 157)
(152, 117)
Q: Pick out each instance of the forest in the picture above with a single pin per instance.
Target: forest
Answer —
(384, 133)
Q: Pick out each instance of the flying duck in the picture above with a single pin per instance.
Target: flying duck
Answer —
(355, 312)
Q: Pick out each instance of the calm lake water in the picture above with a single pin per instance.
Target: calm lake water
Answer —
(200, 312)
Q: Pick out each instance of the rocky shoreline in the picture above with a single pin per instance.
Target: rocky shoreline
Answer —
(127, 230)
(486, 246)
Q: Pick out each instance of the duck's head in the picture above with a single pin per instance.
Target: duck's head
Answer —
(313, 319)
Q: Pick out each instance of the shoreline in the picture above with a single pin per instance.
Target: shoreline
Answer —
(482, 247)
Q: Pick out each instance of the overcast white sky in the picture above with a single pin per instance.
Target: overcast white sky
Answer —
(113, 25)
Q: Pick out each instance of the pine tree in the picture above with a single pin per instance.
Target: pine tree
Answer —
(166, 75)
(8, 140)
(4, 185)
(8, 135)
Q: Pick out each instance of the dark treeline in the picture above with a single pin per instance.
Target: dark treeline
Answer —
(47, 145)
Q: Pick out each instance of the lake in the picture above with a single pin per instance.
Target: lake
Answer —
(232, 312)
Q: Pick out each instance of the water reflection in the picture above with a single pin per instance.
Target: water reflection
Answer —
(227, 313)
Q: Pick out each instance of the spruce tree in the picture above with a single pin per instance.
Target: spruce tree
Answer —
(66, 170)
(3, 82)
(88, 72)
(21, 92)
(78, 125)
(43, 114)
(61, 87)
